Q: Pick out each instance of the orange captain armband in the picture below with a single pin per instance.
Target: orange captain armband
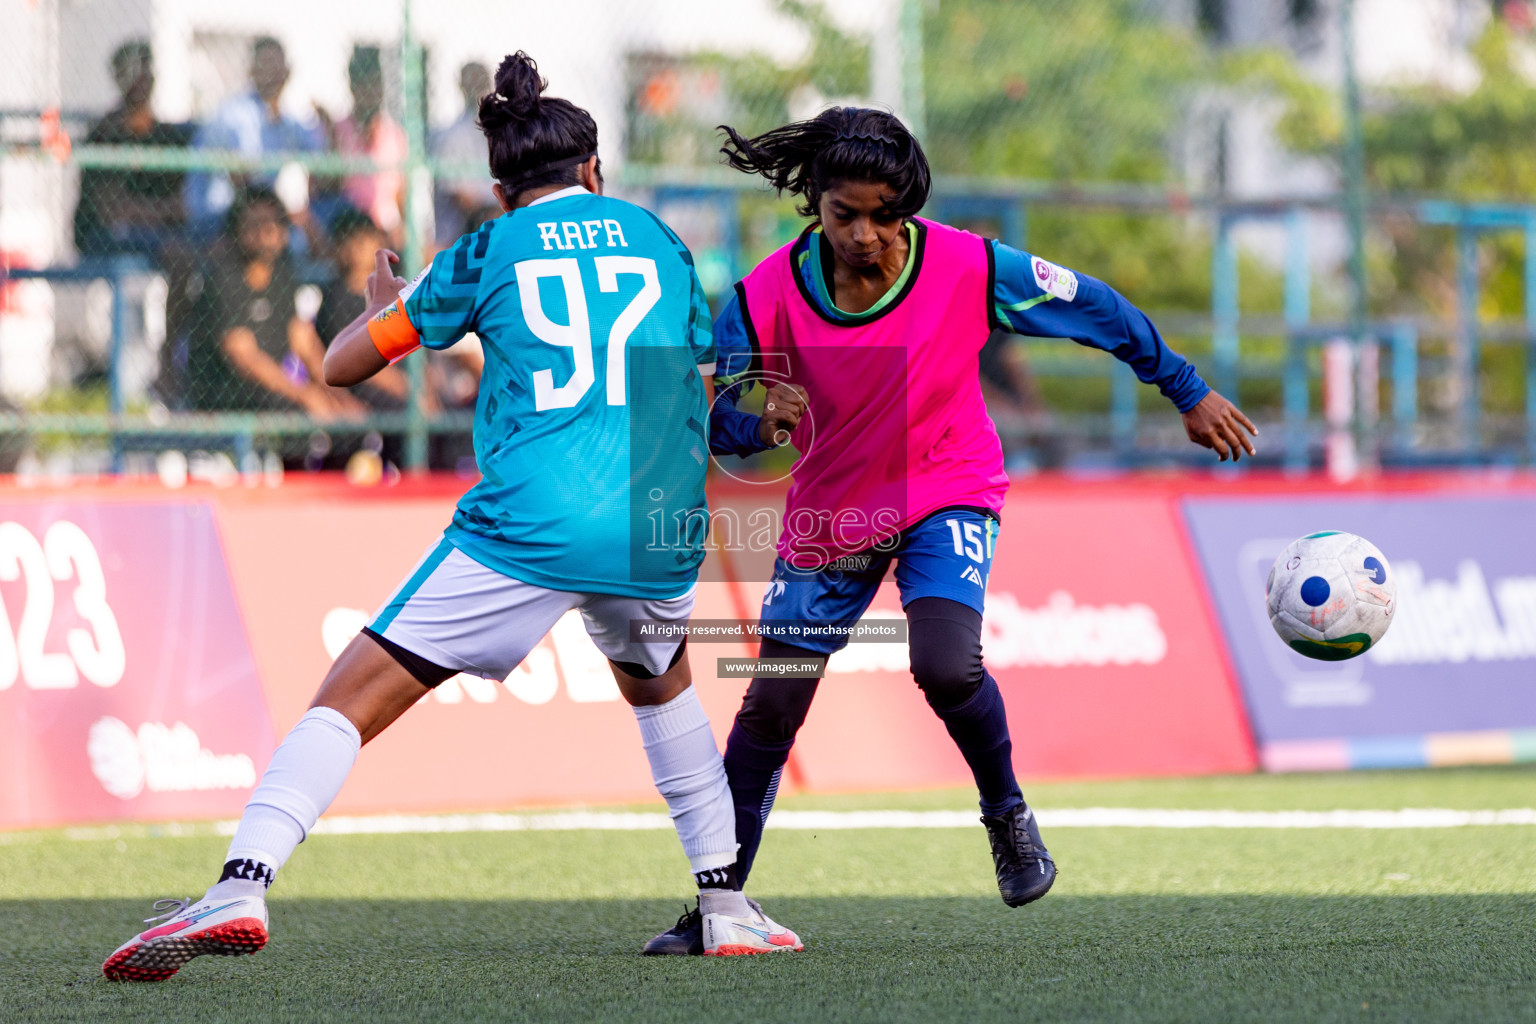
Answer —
(391, 332)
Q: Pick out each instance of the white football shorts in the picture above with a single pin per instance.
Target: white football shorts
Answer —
(459, 614)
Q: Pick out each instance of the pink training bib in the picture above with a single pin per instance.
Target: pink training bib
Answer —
(897, 427)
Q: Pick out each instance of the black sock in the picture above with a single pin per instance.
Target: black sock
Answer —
(717, 878)
(979, 728)
(248, 870)
(753, 768)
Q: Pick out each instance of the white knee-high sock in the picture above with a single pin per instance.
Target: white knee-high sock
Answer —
(305, 775)
(686, 765)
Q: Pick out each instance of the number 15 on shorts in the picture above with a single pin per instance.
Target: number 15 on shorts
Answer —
(972, 540)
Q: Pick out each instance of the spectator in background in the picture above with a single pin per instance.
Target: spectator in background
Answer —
(369, 131)
(251, 124)
(130, 210)
(251, 351)
(355, 239)
(459, 198)
(452, 378)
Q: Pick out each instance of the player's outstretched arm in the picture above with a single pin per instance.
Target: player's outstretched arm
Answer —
(1041, 299)
(1217, 424)
(353, 357)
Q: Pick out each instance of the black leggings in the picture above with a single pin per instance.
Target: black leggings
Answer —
(944, 638)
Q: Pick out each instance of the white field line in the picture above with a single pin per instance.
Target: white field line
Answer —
(828, 821)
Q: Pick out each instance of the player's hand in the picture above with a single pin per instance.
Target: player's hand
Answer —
(782, 410)
(345, 404)
(327, 123)
(316, 401)
(1219, 425)
(383, 285)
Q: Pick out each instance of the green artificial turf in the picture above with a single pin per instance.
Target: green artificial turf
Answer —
(1144, 924)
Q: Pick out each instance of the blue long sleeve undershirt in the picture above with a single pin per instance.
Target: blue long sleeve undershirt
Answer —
(1096, 316)
(731, 431)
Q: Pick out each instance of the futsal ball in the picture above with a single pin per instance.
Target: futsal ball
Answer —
(1331, 595)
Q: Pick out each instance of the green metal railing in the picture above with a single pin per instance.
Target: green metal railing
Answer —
(1231, 362)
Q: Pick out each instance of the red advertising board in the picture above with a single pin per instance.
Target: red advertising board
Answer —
(1101, 638)
(127, 687)
(1098, 634)
(230, 605)
(310, 575)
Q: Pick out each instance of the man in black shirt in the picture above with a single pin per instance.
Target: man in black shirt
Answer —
(356, 239)
(452, 378)
(343, 301)
(251, 351)
(130, 210)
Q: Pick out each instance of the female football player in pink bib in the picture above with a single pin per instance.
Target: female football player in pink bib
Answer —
(869, 326)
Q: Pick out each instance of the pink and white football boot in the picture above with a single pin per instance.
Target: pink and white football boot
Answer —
(728, 935)
(210, 927)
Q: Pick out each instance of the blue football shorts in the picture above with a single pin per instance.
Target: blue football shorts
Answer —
(947, 554)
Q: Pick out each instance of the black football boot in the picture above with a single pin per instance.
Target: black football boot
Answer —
(1025, 869)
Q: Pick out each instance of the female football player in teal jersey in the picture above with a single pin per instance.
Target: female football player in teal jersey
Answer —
(877, 316)
(622, 351)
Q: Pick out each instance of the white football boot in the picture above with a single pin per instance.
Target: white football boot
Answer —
(727, 935)
(227, 927)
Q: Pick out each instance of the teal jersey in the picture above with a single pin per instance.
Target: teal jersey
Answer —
(590, 429)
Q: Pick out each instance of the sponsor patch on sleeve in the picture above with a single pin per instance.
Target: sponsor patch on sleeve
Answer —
(1053, 280)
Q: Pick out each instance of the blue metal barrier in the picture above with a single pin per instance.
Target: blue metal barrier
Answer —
(114, 270)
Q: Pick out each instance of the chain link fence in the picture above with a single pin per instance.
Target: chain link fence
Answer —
(190, 194)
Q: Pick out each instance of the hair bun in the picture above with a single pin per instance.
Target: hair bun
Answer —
(515, 97)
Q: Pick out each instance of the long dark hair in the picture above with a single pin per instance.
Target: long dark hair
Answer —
(839, 144)
(534, 140)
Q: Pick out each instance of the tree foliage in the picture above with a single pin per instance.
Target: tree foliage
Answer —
(1057, 90)
(1082, 92)
(1431, 140)
(1043, 91)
